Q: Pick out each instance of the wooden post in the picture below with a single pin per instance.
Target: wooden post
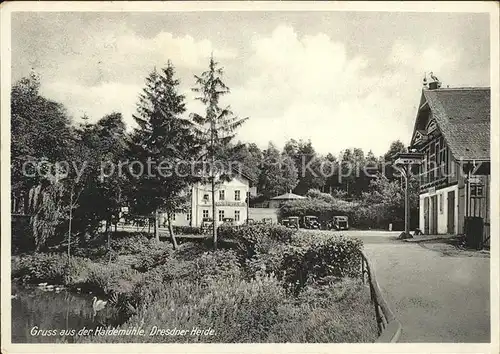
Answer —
(156, 232)
(248, 206)
(407, 202)
(362, 269)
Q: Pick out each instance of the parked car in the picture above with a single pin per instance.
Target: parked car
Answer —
(285, 222)
(293, 222)
(267, 221)
(206, 224)
(310, 222)
(340, 223)
(250, 221)
(228, 221)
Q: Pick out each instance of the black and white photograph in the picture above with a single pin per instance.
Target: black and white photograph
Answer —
(272, 173)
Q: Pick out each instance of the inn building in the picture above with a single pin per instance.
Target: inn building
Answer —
(452, 130)
(230, 202)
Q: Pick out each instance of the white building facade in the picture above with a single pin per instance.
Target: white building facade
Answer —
(230, 203)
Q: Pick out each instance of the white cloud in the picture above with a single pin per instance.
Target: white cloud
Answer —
(96, 101)
(311, 88)
(291, 86)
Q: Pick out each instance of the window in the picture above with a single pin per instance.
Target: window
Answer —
(237, 195)
(236, 215)
(222, 195)
(206, 197)
(188, 216)
(221, 215)
(476, 190)
(205, 213)
(441, 203)
(173, 216)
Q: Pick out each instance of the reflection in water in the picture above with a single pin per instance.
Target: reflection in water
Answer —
(53, 312)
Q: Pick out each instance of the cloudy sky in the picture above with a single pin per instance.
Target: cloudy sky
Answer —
(341, 79)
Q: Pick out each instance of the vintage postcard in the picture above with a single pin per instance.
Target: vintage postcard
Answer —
(232, 177)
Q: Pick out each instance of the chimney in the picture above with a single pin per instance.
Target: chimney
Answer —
(434, 82)
(433, 85)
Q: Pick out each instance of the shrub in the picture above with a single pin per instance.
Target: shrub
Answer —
(308, 258)
(266, 262)
(217, 264)
(130, 244)
(40, 267)
(152, 255)
(259, 310)
(187, 230)
(239, 311)
(321, 206)
(106, 279)
(78, 271)
(95, 253)
(256, 238)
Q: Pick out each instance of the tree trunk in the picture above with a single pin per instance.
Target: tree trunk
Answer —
(109, 240)
(214, 226)
(69, 223)
(157, 234)
(171, 232)
(69, 234)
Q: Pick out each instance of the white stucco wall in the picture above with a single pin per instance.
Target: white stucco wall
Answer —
(442, 215)
(229, 205)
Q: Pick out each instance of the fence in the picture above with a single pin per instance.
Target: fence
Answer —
(389, 327)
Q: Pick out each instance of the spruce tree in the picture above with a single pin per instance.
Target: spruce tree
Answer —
(216, 128)
(163, 139)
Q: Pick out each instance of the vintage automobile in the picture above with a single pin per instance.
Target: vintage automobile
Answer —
(293, 222)
(310, 222)
(250, 221)
(228, 221)
(339, 223)
(284, 222)
(206, 224)
(267, 221)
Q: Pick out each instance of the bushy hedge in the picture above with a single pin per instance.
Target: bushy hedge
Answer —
(320, 207)
(309, 258)
(250, 239)
(217, 264)
(187, 230)
(361, 215)
(40, 267)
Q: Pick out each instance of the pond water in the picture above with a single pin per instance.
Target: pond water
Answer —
(53, 312)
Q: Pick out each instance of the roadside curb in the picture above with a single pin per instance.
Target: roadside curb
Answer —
(427, 239)
(390, 328)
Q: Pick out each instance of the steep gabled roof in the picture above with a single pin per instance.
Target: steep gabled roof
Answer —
(463, 117)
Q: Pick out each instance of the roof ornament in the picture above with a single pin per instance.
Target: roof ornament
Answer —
(424, 81)
(434, 82)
